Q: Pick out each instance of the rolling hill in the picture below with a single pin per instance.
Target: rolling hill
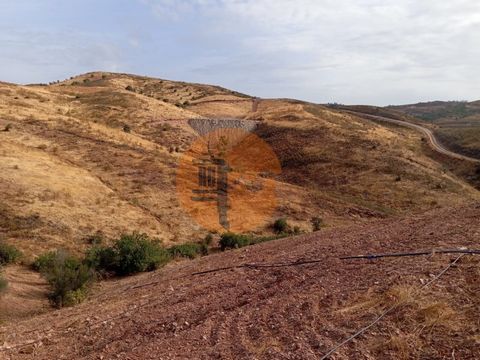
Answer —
(106, 154)
(457, 123)
(98, 152)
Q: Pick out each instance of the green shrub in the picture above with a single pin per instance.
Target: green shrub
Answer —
(8, 254)
(68, 276)
(189, 250)
(102, 259)
(262, 239)
(3, 285)
(44, 261)
(137, 253)
(232, 241)
(129, 255)
(280, 226)
(208, 239)
(316, 223)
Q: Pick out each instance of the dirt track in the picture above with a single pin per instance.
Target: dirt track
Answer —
(292, 312)
(426, 131)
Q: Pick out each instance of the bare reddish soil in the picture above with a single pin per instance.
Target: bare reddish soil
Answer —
(290, 312)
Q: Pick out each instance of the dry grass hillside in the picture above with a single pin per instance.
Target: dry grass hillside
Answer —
(104, 153)
(456, 123)
(99, 152)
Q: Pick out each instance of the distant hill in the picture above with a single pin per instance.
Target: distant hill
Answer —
(457, 123)
(443, 111)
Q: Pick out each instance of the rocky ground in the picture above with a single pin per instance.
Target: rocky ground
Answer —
(283, 311)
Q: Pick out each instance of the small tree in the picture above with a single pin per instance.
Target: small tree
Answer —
(68, 276)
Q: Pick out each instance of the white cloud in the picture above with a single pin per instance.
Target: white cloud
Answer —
(386, 44)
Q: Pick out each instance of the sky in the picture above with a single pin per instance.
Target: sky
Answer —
(376, 52)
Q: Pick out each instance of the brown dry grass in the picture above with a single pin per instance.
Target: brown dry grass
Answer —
(68, 162)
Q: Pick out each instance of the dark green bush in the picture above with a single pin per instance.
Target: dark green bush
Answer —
(208, 239)
(44, 261)
(232, 241)
(101, 258)
(189, 250)
(129, 255)
(8, 254)
(280, 226)
(68, 276)
(137, 253)
(317, 223)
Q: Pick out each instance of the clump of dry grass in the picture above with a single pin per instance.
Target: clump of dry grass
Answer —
(417, 318)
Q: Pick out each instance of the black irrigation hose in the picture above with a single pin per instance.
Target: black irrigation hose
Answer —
(421, 253)
(260, 266)
(316, 261)
(388, 311)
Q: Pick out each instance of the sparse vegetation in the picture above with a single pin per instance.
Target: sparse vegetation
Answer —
(317, 223)
(44, 261)
(3, 285)
(232, 241)
(209, 238)
(95, 239)
(7, 128)
(126, 128)
(8, 254)
(67, 275)
(130, 254)
(281, 226)
(188, 250)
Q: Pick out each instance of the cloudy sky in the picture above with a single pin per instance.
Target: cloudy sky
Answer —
(349, 51)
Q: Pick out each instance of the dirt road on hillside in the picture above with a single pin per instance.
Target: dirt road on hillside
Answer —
(425, 131)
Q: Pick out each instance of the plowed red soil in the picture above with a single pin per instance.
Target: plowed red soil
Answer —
(291, 312)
